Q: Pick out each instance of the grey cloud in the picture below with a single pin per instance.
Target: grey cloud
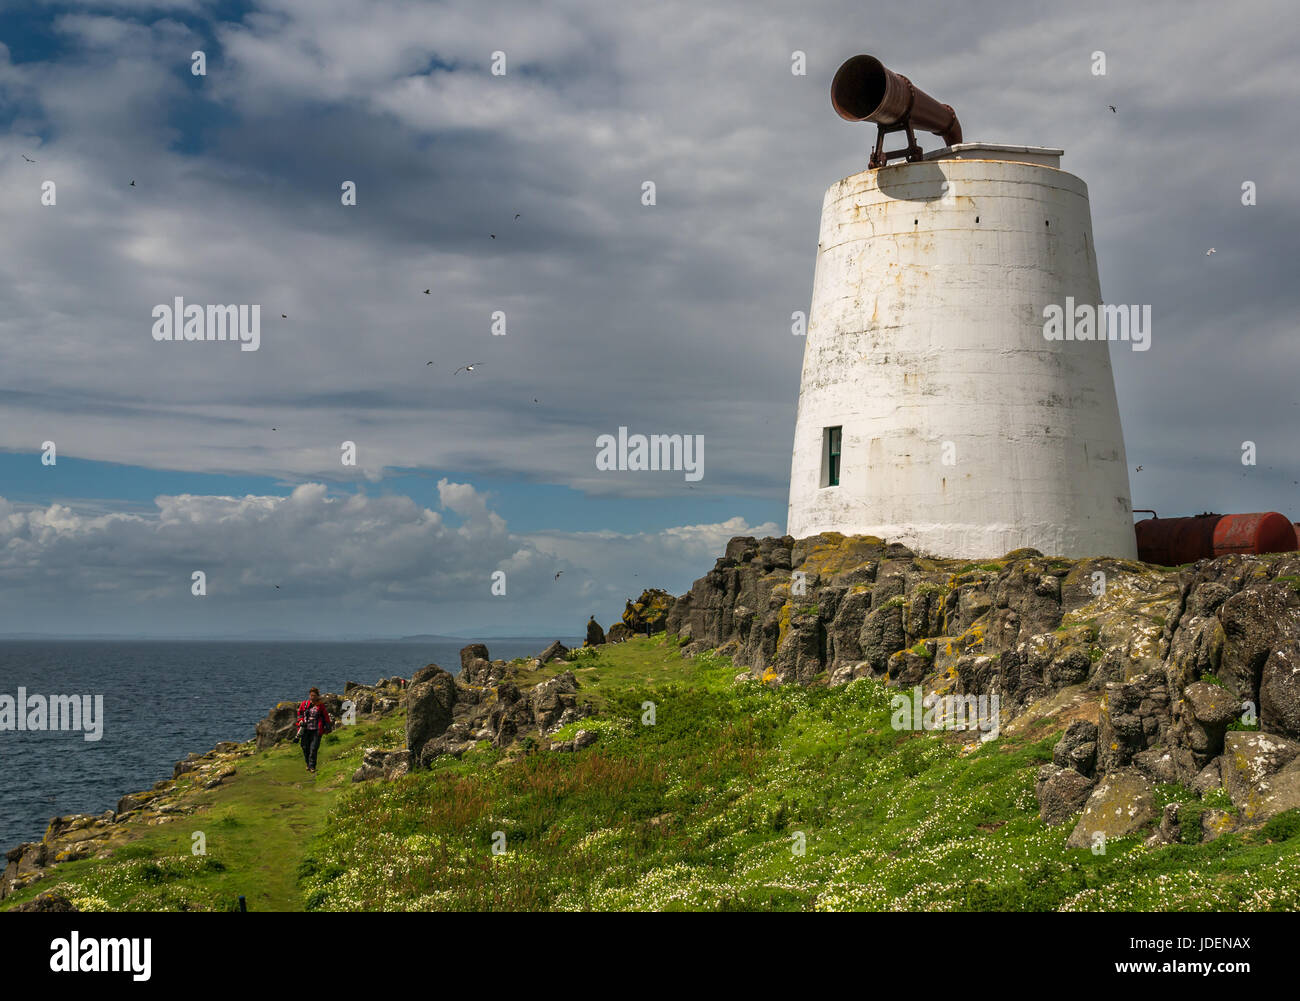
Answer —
(671, 319)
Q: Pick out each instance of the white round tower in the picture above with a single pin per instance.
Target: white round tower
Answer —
(933, 411)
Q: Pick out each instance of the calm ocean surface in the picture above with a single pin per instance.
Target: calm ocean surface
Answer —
(163, 699)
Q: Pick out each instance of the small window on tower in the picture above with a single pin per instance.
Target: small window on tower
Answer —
(831, 457)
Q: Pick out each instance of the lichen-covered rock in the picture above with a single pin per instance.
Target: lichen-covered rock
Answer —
(1196, 648)
(131, 802)
(801, 653)
(1170, 829)
(1077, 748)
(377, 763)
(649, 613)
(1122, 803)
(1208, 779)
(430, 702)
(556, 651)
(279, 725)
(843, 634)
(1212, 705)
(471, 653)
(923, 607)
(581, 739)
(219, 777)
(453, 744)
(1261, 773)
(1069, 665)
(1205, 714)
(551, 698)
(49, 902)
(25, 863)
(618, 633)
(1216, 823)
(1062, 793)
(477, 669)
(1166, 764)
(882, 634)
(908, 668)
(1279, 691)
(1134, 716)
(1260, 618)
(595, 634)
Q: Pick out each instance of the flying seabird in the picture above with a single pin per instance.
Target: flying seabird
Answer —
(27, 158)
(467, 368)
(1112, 108)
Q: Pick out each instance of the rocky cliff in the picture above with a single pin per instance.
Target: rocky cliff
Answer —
(1186, 675)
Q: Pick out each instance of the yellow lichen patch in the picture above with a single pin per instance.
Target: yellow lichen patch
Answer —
(838, 553)
(784, 626)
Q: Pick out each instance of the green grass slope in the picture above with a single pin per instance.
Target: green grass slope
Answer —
(256, 826)
(737, 797)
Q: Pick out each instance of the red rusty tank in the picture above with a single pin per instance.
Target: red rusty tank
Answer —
(1172, 542)
(1268, 532)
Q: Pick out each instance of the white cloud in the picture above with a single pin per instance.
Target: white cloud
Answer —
(355, 564)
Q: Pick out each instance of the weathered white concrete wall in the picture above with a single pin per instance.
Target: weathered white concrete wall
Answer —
(926, 328)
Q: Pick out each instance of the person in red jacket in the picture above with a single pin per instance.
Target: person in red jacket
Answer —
(313, 723)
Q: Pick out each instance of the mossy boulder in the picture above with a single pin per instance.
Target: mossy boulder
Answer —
(1061, 792)
(649, 613)
(618, 633)
(1261, 772)
(1121, 805)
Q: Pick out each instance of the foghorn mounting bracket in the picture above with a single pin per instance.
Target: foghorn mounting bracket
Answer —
(881, 157)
